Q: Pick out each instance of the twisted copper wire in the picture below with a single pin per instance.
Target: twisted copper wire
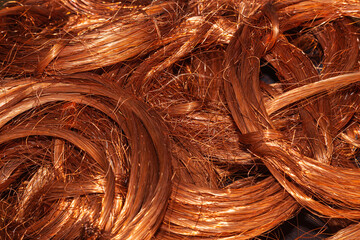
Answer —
(149, 119)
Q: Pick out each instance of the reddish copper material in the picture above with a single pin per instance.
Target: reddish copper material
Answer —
(178, 119)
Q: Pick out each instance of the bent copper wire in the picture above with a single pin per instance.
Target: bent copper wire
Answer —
(105, 182)
(150, 119)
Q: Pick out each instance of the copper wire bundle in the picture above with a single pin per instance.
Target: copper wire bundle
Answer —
(178, 119)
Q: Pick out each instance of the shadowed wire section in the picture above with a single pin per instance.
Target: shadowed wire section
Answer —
(188, 119)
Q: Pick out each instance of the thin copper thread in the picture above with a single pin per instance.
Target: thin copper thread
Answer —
(150, 120)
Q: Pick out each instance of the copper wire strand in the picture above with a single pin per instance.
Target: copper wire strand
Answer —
(152, 119)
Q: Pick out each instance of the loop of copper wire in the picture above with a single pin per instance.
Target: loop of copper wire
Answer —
(171, 134)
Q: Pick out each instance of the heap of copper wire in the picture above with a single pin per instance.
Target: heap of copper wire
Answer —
(153, 119)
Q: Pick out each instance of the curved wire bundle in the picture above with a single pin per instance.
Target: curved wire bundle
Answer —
(69, 155)
(178, 119)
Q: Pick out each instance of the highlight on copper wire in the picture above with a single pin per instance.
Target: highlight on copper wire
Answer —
(175, 119)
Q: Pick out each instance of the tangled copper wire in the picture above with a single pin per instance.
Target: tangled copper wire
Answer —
(178, 119)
